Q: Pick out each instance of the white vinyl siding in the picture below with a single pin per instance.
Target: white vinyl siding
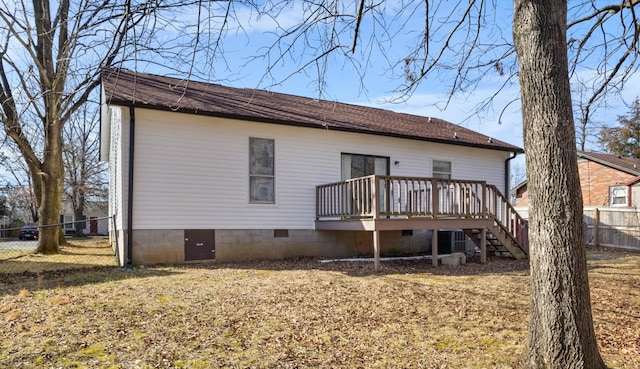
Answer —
(118, 164)
(191, 171)
(118, 156)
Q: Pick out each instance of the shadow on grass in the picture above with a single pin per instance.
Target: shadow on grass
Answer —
(72, 245)
(76, 253)
(79, 275)
(494, 265)
(613, 261)
(82, 261)
(608, 253)
(86, 264)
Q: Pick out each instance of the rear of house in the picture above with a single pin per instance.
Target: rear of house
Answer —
(209, 172)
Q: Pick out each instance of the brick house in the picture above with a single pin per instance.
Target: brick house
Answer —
(606, 180)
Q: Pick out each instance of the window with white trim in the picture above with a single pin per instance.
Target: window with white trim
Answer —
(262, 171)
(618, 196)
(441, 169)
(67, 221)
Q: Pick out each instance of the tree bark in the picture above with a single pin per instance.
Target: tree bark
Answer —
(561, 333)
(51, 179)
(49, 211)
(78, 213)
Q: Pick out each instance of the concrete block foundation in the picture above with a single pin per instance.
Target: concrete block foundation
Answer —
(167, 246)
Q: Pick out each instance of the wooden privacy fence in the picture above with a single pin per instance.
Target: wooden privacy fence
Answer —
(610, 227)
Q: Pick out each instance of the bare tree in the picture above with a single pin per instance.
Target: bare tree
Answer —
(518, 176)
(465, 44)
(51, 54)
(21, 203)
(586, 127)
(20, 196)
(85, 179)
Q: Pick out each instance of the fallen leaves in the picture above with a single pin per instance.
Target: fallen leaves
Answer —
(298, 314)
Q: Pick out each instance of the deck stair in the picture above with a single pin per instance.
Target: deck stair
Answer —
(498, 241)
(509, 231)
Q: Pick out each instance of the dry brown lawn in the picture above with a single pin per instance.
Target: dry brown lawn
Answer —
(79, 253)
(298, 314)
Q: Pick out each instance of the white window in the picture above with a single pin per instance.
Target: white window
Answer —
(618, 196)
(355, 166)
(67, 221)
(262, 171)
(441, 169)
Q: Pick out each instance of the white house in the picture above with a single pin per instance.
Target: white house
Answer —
(94, 221)
(205, 172)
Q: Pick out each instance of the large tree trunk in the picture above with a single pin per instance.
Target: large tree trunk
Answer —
(78, 213)
(50, 207)
(561, 333)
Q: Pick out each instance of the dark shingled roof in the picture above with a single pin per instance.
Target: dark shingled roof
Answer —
(622, 163)
(127, 88)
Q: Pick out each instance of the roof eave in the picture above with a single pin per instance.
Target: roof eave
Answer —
(609, 164)
(124, 102)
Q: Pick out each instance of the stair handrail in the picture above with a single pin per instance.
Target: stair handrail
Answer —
(508, 218)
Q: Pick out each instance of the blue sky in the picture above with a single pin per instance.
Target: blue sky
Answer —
(373, 80)
(370, 77)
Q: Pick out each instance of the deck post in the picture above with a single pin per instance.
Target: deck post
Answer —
(483, 246)
(434, 248)
(435, 206)
(483, 201)
(376, 250)
(375, 204)
(596, 227)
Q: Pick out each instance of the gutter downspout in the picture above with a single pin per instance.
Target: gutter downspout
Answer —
(507, 175)
(132, 135)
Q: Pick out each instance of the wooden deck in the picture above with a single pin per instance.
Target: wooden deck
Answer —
(382, 203)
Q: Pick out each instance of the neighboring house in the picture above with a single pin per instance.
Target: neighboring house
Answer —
(95, 219)
(634, 191)
(201, 171)
(606, 180)
(4, 223)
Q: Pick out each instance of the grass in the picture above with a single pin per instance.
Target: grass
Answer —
(298, 314)
(78, 253)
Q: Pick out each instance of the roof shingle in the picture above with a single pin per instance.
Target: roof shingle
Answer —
(623, 163)
(127, 88)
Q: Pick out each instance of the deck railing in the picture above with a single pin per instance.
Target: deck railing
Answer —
(377, 197)
(507, 217)
(385, 196)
